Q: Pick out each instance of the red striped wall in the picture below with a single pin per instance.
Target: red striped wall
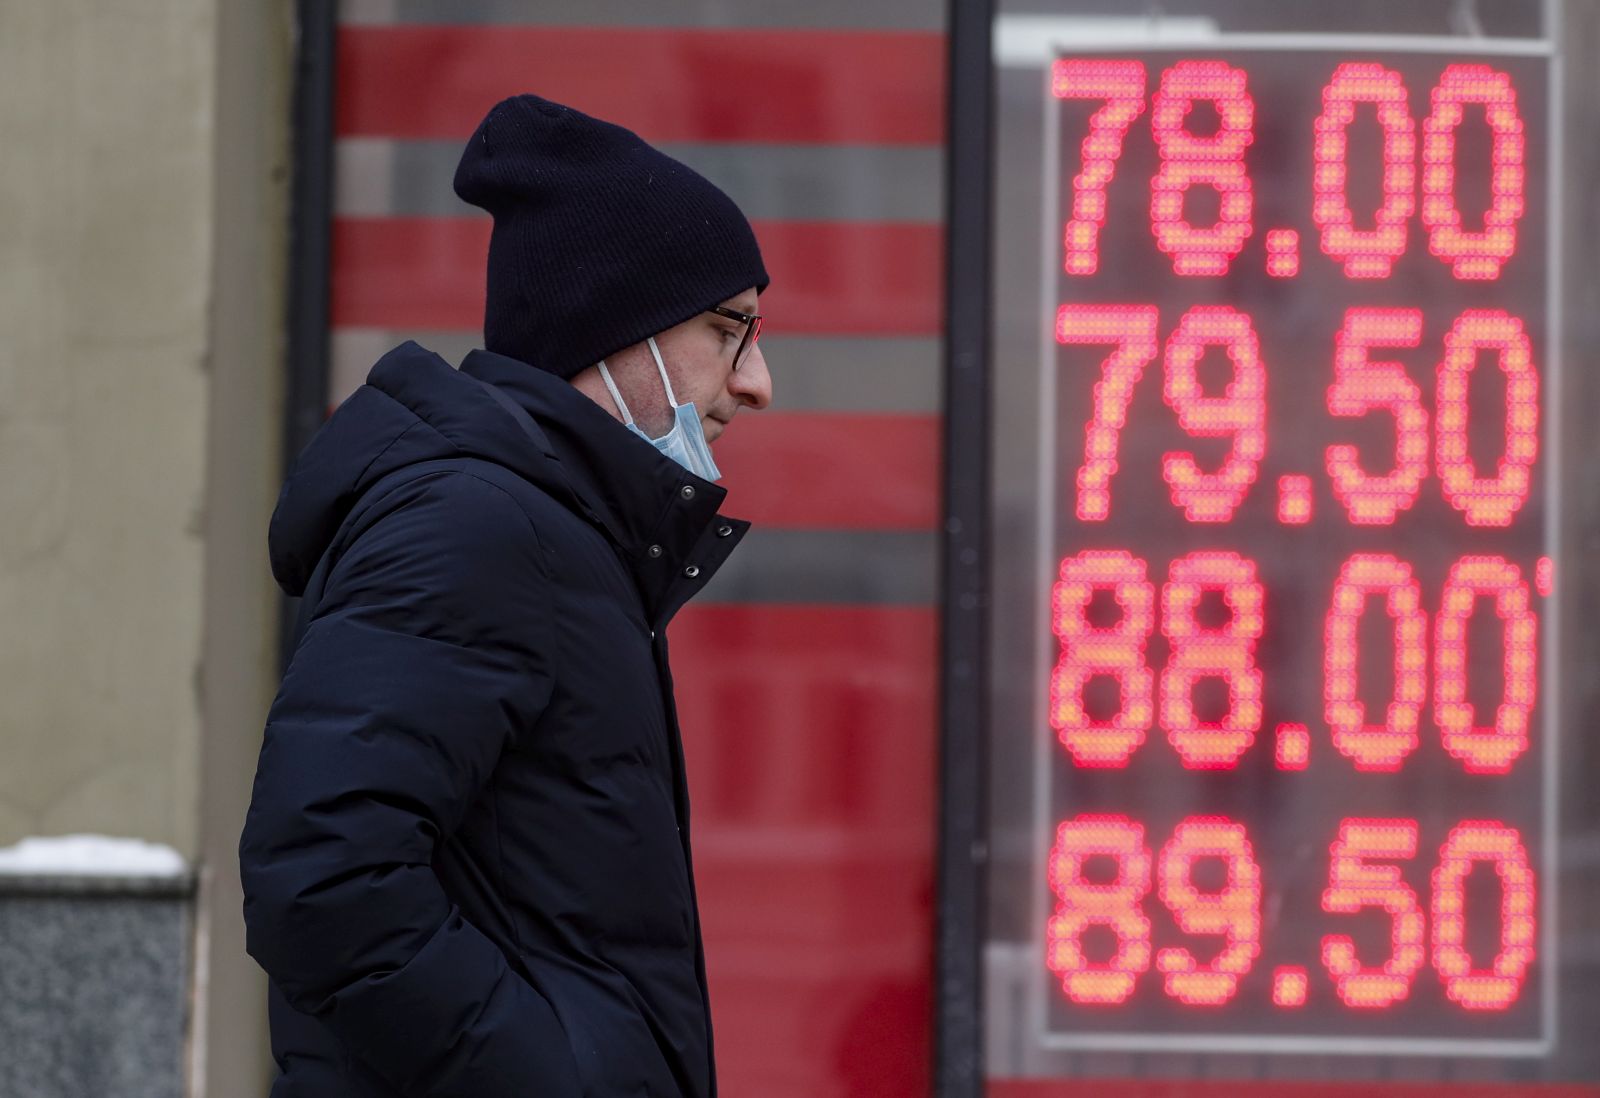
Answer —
(791, 86)
(808, 734)
(834, 471)
(810, 729)
(828, 277)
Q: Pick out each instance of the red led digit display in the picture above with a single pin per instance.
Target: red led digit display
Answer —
(1354, 883)
(1226, 654)
(1375, 746)
(1361, 385)
(1239, 413)
(1131, 333)
(1487, 501)
(1494, 986)
(1476, 255)
(1087, 651)
(1364, 253)
(1232, 912)
(1294, 766)
(1492, 748)
(1120, 84)
(1116, 905)
(1215, 161)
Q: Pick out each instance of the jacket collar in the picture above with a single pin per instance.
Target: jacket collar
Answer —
(662, 518)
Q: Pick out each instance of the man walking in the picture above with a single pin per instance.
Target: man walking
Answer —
(466, 862)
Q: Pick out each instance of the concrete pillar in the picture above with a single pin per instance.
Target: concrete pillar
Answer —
(142, 185)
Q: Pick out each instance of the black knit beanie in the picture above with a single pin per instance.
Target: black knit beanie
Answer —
(599, 240)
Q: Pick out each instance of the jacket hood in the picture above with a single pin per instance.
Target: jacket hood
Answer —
(414, 407)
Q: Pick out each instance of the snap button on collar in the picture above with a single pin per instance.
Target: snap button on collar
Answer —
(724, 530)
(687, 492)
(692, 571)
(654, 550)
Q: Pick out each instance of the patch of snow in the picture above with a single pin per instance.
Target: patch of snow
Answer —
(90, 856)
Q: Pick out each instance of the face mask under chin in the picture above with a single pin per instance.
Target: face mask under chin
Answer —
(685, 441)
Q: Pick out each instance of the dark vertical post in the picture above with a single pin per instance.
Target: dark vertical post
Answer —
(310, 231)
(957, 1037)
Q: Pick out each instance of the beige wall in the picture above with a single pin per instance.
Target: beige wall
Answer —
(105, 264)
(143, 204)
(239, 663)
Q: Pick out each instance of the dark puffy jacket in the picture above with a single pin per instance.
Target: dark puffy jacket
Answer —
(466, 862)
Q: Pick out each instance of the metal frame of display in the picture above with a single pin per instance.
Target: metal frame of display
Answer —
(1365, 1045)
(1562, 25)
(310, 249)
(963, 585)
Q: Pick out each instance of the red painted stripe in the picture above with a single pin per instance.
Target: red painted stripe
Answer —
(409, 272)
(809, 470)
(833, 1014)
(839, 278)
(1275, 1088)
(809, 717)
(859, 1038)
(828, 277)
(870, 87)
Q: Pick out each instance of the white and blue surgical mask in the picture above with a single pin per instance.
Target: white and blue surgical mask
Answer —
(685, 442)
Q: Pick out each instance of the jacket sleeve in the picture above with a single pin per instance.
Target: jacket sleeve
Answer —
(430, 648)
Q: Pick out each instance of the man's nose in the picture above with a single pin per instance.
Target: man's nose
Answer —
(751, 382)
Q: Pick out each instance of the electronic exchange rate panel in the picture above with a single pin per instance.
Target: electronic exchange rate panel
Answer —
(1298, 743)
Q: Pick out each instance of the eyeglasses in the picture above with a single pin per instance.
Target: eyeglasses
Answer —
(752, 330)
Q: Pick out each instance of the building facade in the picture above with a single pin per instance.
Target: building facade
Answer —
(1127, 814)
